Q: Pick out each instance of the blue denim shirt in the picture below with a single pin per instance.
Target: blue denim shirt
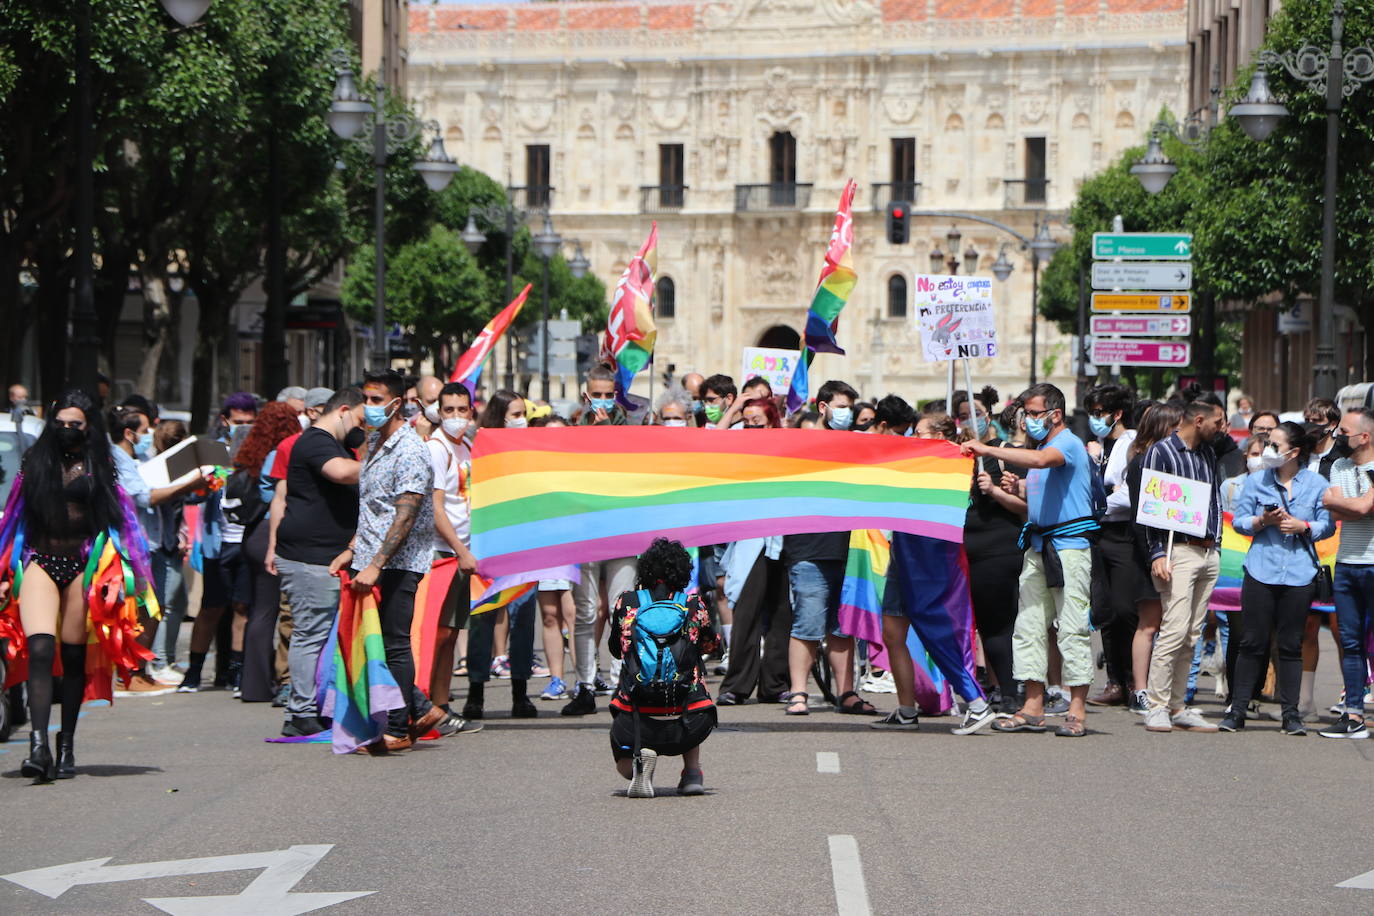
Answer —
(1276, 558)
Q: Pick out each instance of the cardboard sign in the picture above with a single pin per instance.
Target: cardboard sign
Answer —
(1174, 503)
(955, 317)
(776, 366)
(182, 460)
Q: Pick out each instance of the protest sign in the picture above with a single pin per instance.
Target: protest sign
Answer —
(955, 317)
(776, 366)
(1174, 503)
(182, 461)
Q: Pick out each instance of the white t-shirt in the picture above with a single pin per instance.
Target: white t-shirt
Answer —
(1357, 537)
(452, 465)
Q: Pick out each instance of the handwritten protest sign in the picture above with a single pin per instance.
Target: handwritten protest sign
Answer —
(955, 317)
(776, 366)
(1174, 503)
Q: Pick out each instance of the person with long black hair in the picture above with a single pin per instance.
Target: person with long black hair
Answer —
(66, 516)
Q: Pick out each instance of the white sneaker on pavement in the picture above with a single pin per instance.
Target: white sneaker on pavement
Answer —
(974, 721)
(1157, 720)
(642, 784)
(1191, 720)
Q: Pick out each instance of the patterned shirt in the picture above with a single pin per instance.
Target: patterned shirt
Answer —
(398, 465)
(1357, 537)
(1171, 456)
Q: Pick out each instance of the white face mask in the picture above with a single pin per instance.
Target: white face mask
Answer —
(454, 427)
(432, 412)
(304, 421)
(1254, 463)
(672, 422)
(1270, 458)
(517, 423)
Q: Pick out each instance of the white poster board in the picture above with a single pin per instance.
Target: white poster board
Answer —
(774, 365)
(955, 317)
(1174, 503)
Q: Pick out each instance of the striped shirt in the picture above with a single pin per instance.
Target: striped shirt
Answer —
(1173, 457)
(1357, 537)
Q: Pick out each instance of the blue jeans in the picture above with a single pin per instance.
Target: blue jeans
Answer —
(1223, 633)
(815, 597)
(170, 588)
(1354, 587)
(520, 641)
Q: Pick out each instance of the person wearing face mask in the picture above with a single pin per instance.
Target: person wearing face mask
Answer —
(314, 522)
(691, 383)
(427, 419)
(674, 409)
(760, 413)
(757, 388)
(835, 402)
(1323, 414)
(598, 399)
(1280, 508)
(1056, 573)
(718, 396)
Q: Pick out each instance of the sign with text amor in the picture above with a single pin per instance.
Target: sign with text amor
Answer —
(955, 317)
(1174, 503)
(774, 365)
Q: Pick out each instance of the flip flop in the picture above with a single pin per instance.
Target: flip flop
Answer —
(861, 708)
(790, 698)
(1072, 728)
(1020, 722)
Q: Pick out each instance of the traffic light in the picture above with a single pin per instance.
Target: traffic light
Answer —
(898, 222)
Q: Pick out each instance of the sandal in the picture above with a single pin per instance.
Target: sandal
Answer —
(791, 698)
(1020, 722)
(860, 708)
(462, 668)
(1072, 728)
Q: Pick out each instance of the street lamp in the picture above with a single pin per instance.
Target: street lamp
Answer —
(937, 260)
(473, 237)
(1002, 267)
(547, 243)
(1155, 170)
(349, 113)
(579, 265)
(1259, 113)
(186, 12)
(971, 257)
(1042, 248)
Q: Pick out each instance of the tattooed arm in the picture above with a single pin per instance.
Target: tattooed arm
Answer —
(407, 508)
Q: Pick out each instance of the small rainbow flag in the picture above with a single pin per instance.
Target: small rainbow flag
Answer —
(469, 367)
(630, 330)
(542, 497)
(491, 594)
(832, 292)
(361, 690)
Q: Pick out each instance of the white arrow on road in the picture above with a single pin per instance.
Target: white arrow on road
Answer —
(268, 895)
(1364, 881)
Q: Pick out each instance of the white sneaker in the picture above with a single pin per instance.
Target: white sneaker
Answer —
(1190, 720)
(883, 683)
(1157, 720)
(166, 676)
(974, 721)
(642, 784)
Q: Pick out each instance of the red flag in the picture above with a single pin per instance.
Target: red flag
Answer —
(469, 368)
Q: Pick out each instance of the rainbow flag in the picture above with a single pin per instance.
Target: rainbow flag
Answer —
(832, 292)
(630, 330)
(361, 690)
(549, 496)
(492, 594)
(933, 577)
(424, 624)
(1234, 546)
(861, 616)
(469, 367)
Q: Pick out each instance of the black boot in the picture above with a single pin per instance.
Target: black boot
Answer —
(39, 764)
(520, 705)
(472, 709)
(66, 756)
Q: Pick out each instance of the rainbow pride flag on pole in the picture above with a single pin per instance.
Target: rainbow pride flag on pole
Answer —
(469, 367)
(832, 292)
(544, 497)
(630, 330)
(360, 691)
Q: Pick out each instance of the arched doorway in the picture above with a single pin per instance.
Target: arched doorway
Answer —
(780, 337)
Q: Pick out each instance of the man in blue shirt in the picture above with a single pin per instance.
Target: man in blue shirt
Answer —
(1056, 577)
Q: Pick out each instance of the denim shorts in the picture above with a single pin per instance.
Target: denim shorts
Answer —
(815, 598)
(892, 598)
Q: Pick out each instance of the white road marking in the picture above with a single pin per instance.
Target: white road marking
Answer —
(851, 897)
(827, 762)
(1364, 881)
(267, 895)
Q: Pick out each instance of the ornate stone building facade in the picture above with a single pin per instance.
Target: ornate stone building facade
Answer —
(735, 124)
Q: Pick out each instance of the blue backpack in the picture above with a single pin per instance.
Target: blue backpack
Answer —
(663, 660)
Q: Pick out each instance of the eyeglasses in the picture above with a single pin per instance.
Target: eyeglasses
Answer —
(1037, 414)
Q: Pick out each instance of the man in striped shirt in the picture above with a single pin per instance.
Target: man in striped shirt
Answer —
(1186, 575)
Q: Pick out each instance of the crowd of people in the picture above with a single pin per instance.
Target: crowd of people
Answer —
(365, 487)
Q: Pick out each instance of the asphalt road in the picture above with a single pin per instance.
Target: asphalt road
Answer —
(529, 817)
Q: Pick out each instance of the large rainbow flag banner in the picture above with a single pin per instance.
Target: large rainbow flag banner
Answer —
(546, 497)
(832, 292)
(1234, 546)
(630, 330)
(360, 690)
(469, 367)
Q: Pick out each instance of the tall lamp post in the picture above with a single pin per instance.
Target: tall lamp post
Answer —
(348, 118)
(547, 243)
(1335, 74)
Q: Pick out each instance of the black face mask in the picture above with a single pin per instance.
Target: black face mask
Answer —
(71, 439)
(1342, 441)
(355, 437)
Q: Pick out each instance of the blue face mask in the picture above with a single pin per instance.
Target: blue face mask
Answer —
(606, 404)
(1101, 428)
(980, 426)
(143, 448)
(697, 406)
(1037, 428)
(841, 417)
(375, 416)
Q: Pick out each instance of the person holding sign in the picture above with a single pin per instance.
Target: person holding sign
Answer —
(1056, 576)
(1184, 566)
(1281, 509)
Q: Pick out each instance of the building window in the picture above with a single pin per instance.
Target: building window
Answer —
(537, 175)
(670, 175)
(782, 172)
(896, 296)
(904, 168)
(1035, 170)
(665, 297)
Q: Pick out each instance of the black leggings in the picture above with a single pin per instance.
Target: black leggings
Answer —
(1115, 588)
(41, 651)
(1268, 608)
(993, 586)
(259, 680)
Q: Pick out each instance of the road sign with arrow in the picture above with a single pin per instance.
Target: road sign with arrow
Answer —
(1143, 246)
(1127, 275)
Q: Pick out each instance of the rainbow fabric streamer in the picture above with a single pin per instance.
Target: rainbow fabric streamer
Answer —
(361, 690)
(832, 292)
(630, 330)
(542, 497)
(861, 616)
(469, 367)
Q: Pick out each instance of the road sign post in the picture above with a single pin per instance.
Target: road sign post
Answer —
(1143, 246)
(1150, 275)
(1174, 303)
(1168, 353)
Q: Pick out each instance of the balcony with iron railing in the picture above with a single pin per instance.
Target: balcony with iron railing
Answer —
(662, 198)
(532, 197)
(1026, 193)
(761, 198)
(895, 192)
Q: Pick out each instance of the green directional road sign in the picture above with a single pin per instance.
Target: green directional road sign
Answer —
(1143, 246)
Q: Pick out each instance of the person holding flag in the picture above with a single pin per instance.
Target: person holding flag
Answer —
(832, 292)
